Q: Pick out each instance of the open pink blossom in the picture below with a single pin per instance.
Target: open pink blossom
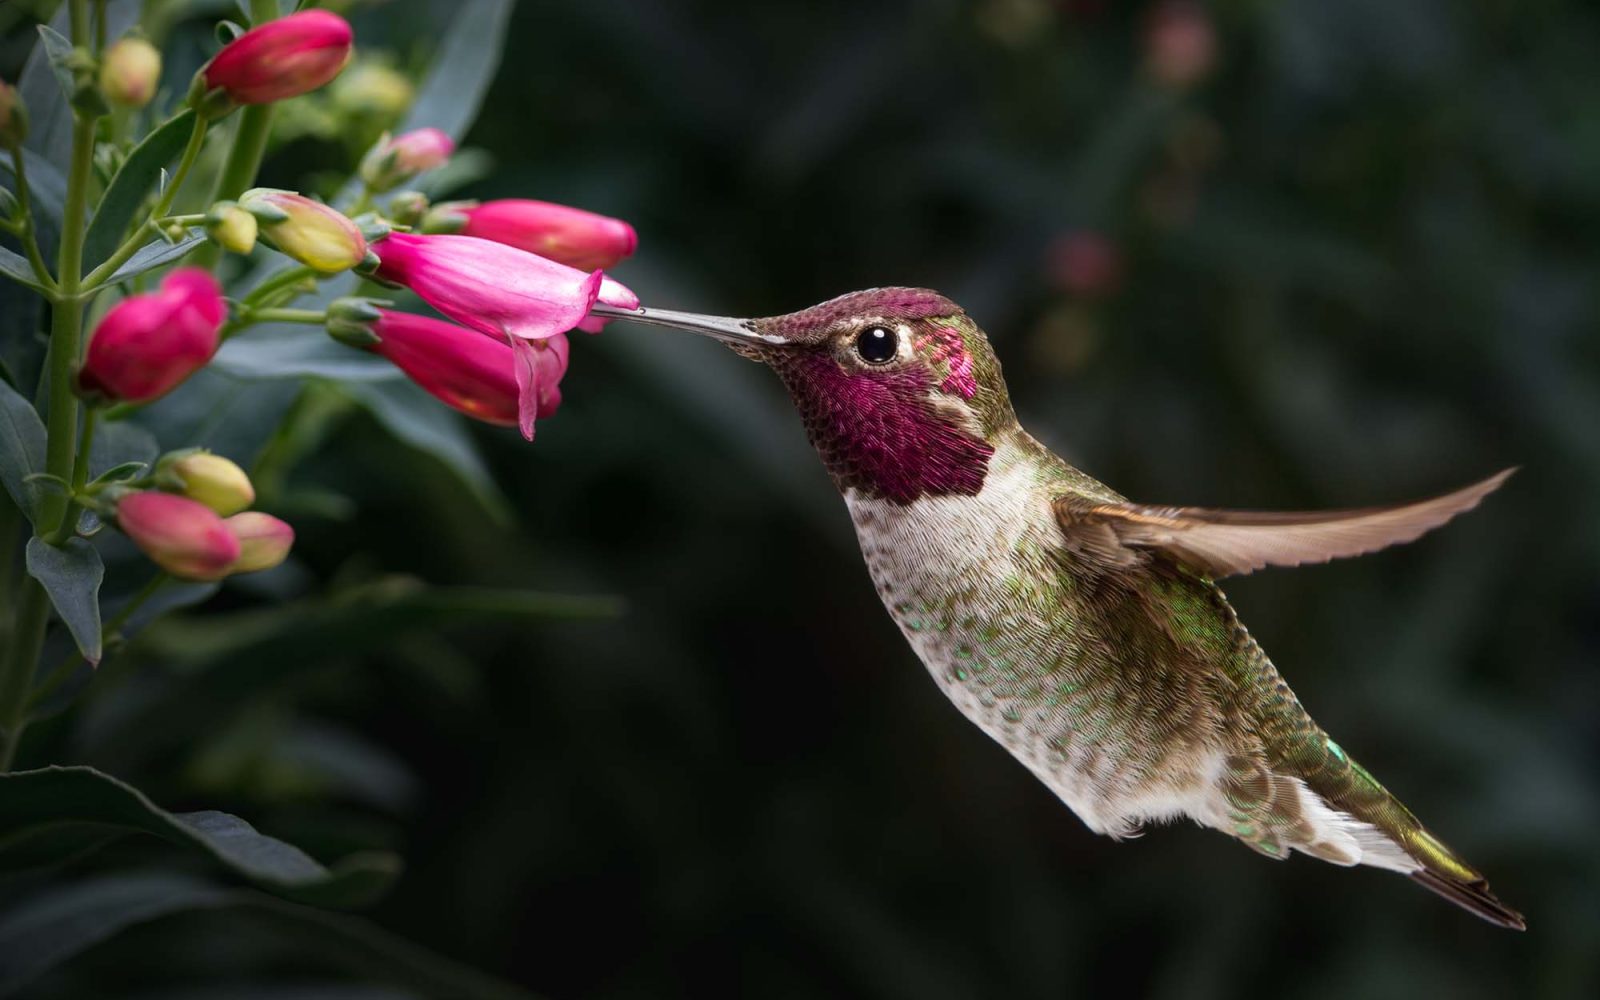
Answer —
(567, 235)
(147, 344)
(281, 59)
(496, 289)
(475, 375)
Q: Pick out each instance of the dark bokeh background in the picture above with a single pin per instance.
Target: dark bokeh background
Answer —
(1292, 254)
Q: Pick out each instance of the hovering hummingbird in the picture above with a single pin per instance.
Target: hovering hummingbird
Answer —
(1083, 632)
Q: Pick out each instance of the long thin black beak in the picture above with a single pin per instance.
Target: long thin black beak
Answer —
(723, 328)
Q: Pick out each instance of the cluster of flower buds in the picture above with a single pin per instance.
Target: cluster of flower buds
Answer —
(130, 69)
(393, 162)
(195, 524)
(148, 343)
(274, 62)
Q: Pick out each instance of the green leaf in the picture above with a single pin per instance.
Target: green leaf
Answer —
(155, 254)
(22, 447)
(281, 350)
(71, 574)
(47, 186)
(462, 68)
(60, 923)
(16, 267)
(422, 422)
(58, 50)
(132, 184)
(127, 470)
(87, 797)
(121, 443)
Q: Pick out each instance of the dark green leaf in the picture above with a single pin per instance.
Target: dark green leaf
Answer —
(49, 108)
(71, 574)
(58, 50)
(82, 795)
(132, 184)
(127, 470)
(56, 925)
(22, 446)
(156, 254)
(462, 67)
(421, 421)
(279, 351)
(17, 268)
(47, 186)
(120, 443)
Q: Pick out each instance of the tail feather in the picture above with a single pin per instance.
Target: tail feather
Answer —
(1473, 896)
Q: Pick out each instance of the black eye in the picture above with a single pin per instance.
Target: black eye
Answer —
(877, 345)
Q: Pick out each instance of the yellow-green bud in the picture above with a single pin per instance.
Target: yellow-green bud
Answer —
(231, 227)
(129, 72)
(309, 231)
(371, 88)
(210, 479)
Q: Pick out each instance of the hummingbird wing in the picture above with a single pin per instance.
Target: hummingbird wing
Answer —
(1221, 543)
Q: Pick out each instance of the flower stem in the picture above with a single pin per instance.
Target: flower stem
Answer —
(130, 246)
(30, 244)
(66, 328)
(80, 478)
(283, 279)
(316, 317)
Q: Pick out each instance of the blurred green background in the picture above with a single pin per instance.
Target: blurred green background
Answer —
(1286, 254)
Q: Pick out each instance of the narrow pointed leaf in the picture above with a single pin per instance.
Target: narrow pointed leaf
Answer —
(83, 796)
(22, 447)
(156, 254)
(71, 574)
(17, 268)
(143, 169)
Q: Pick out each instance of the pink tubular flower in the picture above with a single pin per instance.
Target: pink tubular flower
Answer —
(394, 161)
(264, 541)
(566, 235)
(149, 343)
(496, 289)
(472, 374)
(182, 536)
(281, 59)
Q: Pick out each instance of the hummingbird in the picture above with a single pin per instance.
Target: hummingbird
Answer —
(1084, 632)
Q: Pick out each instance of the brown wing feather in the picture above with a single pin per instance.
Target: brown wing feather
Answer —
(1222, 543)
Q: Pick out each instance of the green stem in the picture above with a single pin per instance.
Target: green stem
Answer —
(283, 279)
(130, 246)
(30, 244)
(362, 203)
(66, 328)
(80, 478)
(316, 317)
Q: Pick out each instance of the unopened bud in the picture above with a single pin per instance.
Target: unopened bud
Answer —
(129, 72)
(182, 536)
(211, 479)
(13, 116)
(447, 217)
(264, 541)
(280, 59)
(312, 233)
(231, 227)
(148, 343)
(392, 162)
(372, 89)
(407, 208)
(350, 322)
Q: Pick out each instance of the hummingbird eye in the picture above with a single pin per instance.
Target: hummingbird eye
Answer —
(877, 345)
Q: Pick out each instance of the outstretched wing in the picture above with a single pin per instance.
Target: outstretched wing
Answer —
(1220, 543)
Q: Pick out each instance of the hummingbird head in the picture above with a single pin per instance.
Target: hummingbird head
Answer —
(899, 390)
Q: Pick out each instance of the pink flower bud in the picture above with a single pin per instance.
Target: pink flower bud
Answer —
(566, 235)
(129, 72)
(182, 536)
(281, 59)
(264, 541)
(473, 374)
(149, 343)
(392, 162)
(1180, 43)
(496, 289)
(317, 236)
